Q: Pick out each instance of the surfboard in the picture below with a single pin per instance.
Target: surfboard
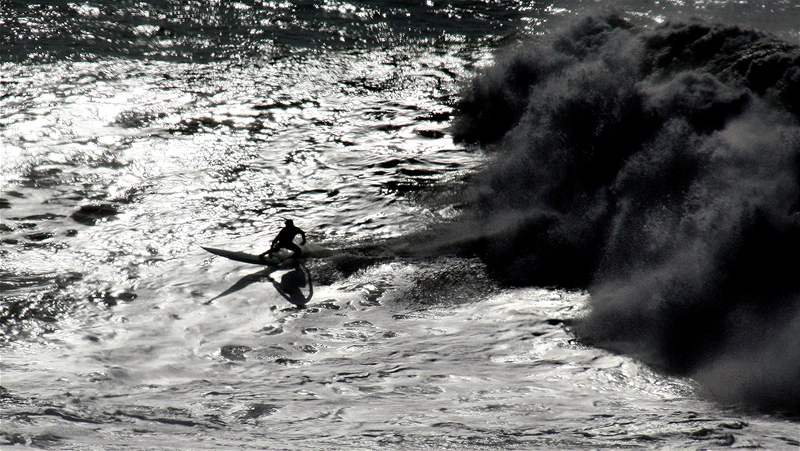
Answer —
(275, 259)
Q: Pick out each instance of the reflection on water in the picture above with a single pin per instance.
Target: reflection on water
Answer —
(292, 283)
(243, 282)
(207, 123)
(290, 286)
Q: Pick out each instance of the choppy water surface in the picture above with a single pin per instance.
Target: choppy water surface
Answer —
(132, 132)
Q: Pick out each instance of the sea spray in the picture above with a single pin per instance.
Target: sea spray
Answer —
(660, 169)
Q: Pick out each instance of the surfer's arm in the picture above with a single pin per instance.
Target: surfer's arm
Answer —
(303, 235)
(271, 247)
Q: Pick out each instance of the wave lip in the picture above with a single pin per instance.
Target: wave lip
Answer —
(660, 168)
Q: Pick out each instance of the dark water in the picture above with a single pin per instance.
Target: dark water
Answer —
(678, 205)
(133, 132)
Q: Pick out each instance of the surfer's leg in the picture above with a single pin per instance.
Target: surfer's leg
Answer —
(296, 251)
(270, 251)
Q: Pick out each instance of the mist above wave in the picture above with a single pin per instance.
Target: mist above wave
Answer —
(660, 168)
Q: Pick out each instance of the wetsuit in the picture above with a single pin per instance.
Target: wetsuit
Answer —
(285, 240)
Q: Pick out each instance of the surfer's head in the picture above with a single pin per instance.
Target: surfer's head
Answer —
(288, 222)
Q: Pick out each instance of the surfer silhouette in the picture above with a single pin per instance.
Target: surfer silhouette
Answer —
(285, 240)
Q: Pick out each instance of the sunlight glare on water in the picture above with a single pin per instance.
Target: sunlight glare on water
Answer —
(131, 133)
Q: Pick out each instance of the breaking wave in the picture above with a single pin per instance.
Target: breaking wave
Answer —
(660, 169)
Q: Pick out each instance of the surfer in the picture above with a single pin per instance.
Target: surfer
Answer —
(285, 240)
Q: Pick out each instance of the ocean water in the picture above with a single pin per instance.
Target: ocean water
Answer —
(425, 143)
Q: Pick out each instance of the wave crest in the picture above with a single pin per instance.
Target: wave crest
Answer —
(661, 169)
